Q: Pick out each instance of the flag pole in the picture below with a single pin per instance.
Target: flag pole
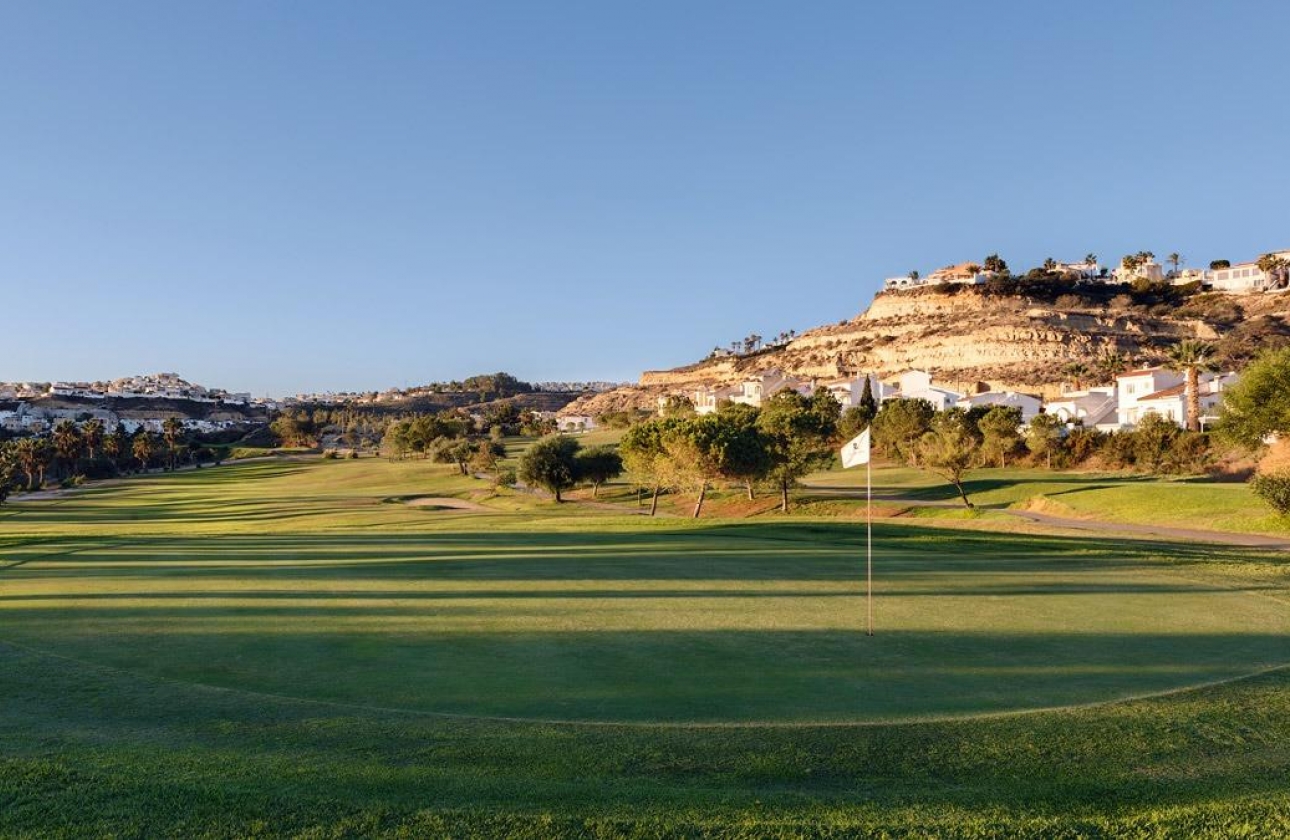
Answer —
(868, 494)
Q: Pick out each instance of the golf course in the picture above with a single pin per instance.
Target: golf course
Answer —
(320, 648)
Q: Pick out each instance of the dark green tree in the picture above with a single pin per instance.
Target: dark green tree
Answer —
(550, 463)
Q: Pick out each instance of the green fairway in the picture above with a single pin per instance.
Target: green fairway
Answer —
(269, 617)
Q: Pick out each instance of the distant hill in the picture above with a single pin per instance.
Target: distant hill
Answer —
(969, 337)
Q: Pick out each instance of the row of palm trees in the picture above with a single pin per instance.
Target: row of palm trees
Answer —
(1190, 357)
(69, 442)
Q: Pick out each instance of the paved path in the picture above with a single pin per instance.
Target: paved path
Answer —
(1162, 532)
(1159, 531)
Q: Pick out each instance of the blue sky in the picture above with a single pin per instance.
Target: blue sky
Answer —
(287, 196)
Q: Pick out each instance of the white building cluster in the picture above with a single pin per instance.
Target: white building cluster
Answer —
(1242, 278)
(1120, 406)
(150, 386)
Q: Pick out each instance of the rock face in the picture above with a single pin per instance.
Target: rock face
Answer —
(966, 340)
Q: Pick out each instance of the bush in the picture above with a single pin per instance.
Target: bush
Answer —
(1273, 488)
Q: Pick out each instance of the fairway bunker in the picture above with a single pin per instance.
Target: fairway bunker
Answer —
(435, 503)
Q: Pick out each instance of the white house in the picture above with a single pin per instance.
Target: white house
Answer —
(1149, 270)
(1087, 272)
(1095, 407)
(1171, 402)
(708, 400)
(1244, 278)
(762, 386)
(849, 392)
(967, 272)
(575, 423)
(917, 385)
(1028, 404)
(1134, 386)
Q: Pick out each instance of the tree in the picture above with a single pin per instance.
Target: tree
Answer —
(67, 444)
(1277, 269)
(1050, 264)
(143, 448)
(1258, 405)
(1153, 440)
(598, 464)
(1043, 436)
(1190, 357)
(949, 448)
(116, 442)
(550, 463)
(31, 455)
(1217, 265)
(8, 470)
(914, 275)
(1000, 429)
(645, 456)
(1090, 258)
(1077, 371)
(92, 436)
(995, 264)
(745, 459)
(696, 453)
(677, 405)
(1111, 364)
(798, 437)
(899, 424)
(483, 457)
(172, 430)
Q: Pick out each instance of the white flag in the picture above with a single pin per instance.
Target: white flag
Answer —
(856, 453)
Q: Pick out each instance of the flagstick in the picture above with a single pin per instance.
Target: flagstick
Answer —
(868, 493)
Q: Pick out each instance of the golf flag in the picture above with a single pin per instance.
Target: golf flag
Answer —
(856, 453)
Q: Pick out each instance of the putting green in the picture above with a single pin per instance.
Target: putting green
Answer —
(642, 622)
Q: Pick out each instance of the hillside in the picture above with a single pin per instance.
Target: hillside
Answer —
(969, 338)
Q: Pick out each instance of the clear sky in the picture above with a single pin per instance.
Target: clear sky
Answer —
(288, 196)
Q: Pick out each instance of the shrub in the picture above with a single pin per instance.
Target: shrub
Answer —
(1273, 488)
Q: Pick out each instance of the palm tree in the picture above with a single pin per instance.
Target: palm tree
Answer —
(171, 429)
(142, 449)
(1090, 258)
(1111, 364)
(67, 443)
(1190, 357)
(1077, 371)
(30, 452)
(1175, 259)
(914, 275)
(92, 434)
(1276, 268)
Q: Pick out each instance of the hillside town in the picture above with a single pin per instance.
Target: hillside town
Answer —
(1267, 273)
(1117, 406)
(36, 407)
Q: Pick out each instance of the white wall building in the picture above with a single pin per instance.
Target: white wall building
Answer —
(917, 385)
(1095, 407)
(1028, 404)
(1243, 278)
(575, 423)
(1134, 386)
(1171, 403)
(849, 392)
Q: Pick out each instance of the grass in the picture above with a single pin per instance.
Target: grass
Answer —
(1112, 497)
(283, 648)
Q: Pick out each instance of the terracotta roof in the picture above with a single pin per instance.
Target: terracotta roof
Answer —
(1166, 393)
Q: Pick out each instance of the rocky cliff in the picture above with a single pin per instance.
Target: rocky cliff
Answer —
(969, 339)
